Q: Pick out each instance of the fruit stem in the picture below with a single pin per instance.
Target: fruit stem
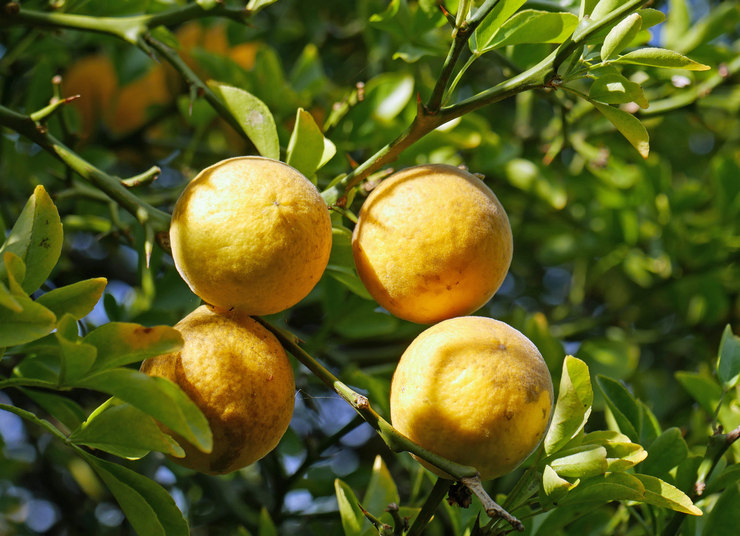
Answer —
(492, 508)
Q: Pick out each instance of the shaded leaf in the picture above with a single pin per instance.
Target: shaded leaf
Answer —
(353, 519)
(64, 409)
(148, 506)
(32, 323)
(266, 526)
(630, 127)
(7, 300)
(665, 453)
(616, 89)
(725, 515)
(341, 262)
(661, 57)
(381, 490)
(36, 238)
(77, 299)
(158, 397)
(706, 391)
(728, 364)
(573, 406)
(123, 430)
(121, 343)
(77, 358)
(622, 405)
(388, 94)
(254, 117)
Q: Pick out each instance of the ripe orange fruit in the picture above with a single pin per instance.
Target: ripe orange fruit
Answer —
(251, 233)
(473, 390)
(239, 376)
(432, 242)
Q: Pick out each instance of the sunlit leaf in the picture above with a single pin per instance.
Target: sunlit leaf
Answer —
(36, 238)
(630, 127)
(606, 488)
(531, 26)
(381, 490)
(253, 116)
(353, 520)
(586, 461)
(621, 36)
(728, 364)
(121, 429)
(662, 494)
(661, 57)
(490, 25)
(308, 149)
(573, 405)
(554, 486)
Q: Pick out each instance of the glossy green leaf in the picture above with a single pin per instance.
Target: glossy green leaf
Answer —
(36, 238)
(381, 490)
(388, 94)
(620, 36)
(616, 89)
(621, 453)
(254, 117)
(490, 25)
(532, 26)
(665, 453)
(706, 391)
(121, 429)
(121, 343)
(62, 408)
(604, 7)
(353, 520)
(586, 461)
(158, 397)
(148, 507)
(32, 323)
(308, 149)
(622, 405)
(628, 125)
(651, 17)
(573, 406)
(77, 358)
(661, 57)
(77, 299)
(662, 494)
(728, 364)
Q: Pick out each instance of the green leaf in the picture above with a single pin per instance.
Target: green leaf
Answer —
(573, 406)
(665, 453)
(706, 391)
(62, 408)
(158, 397)
(614, 88)
(554, 486)
(622, 405)
(381, 490)
(7, 300)
(604, 7)
(606, 488)
(36, 238)
(661, 57)
(341, 262)
(308, 149)
(725, 515)
(121, 343)
(353, 520)
(254, 117)
(532, 26)
(662, 494)
(266, 526)
(32, 323)
(630, 127)
(586, 461)
(77, 358)
(256, 5)
(728, 364)
(15, 270)
(487, 29)
(388, 94)
(148, 507)
(621, 36)
(123, 430)
(77, 299)
(621, 453)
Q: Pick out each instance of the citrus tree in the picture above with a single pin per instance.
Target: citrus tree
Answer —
(597, 139)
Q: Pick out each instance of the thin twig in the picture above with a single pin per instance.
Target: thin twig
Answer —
(440, 489)
(492, 508)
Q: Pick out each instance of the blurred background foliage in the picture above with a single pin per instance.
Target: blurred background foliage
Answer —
(632, 265)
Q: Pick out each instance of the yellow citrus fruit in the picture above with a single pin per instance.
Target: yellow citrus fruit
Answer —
(473, 390)
(136, 102)
(251, 233)
(239, 376)
(432, 242)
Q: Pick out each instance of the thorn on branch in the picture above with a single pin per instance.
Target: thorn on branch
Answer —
(449, 16)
